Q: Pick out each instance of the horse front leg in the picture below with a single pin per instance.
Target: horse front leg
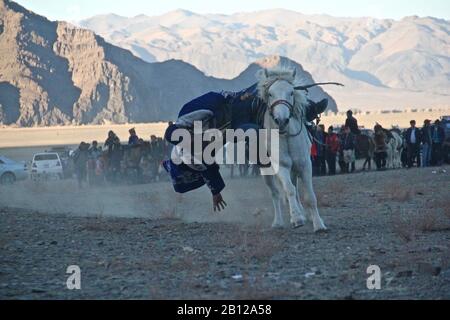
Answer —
(390, 157)
(297, 216)
(309, 198)
(278, 221)
(398, 161)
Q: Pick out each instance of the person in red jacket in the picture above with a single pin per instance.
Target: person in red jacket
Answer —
(333, 146)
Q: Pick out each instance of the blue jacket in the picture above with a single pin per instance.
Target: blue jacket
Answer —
(133, 140)
(231, 110)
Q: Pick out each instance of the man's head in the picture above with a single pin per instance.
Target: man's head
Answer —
(437, 122)
(153, 138)
(330, 130)
(84, 146)
(426, 123)
(132, 132)
(94, 144)
(322, 128)
(413, 123)
(377, 127)
(111, 134)
(349, 113)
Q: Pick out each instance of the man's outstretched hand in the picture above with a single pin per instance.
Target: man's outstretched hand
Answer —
(218, 203)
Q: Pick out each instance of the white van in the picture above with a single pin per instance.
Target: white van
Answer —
(46, 165)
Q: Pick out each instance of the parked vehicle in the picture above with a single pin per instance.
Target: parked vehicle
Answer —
(64, 154)
(12, 171)
(46, 166)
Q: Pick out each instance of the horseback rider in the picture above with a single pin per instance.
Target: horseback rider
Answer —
(352, 123)
(224, 110)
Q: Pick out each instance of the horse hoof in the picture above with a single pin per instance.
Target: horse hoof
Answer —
(322, 230)
(297, 225)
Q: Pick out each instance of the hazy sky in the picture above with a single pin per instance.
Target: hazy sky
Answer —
(80, 9)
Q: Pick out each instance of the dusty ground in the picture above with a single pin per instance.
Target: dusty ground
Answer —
(143, 242)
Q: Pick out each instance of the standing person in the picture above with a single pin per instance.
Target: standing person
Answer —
(380, 148)
(332, 142)
(341, 151)
(110, 140)
(413, 138)
(156, 156)
(115, 158)
(438, 138)
(426, 143)
(321, 150)
(348, 149)
(94, 153)
(314, 158)
(134, 139)
(352, 123)
(81, 161)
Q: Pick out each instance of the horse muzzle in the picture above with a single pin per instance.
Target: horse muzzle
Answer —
(282, 124)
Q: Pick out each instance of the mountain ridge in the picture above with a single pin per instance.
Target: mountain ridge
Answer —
(389, 59)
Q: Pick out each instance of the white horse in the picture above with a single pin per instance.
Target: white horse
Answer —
(394, 151)
(285, 112)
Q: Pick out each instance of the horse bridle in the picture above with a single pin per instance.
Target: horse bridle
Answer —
(282, 102)
(287, 104)
(290, 105)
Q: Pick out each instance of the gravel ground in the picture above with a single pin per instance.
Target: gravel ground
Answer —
(398, 220)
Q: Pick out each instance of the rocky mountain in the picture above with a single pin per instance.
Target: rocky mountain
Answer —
(384, 63)
(53, 73)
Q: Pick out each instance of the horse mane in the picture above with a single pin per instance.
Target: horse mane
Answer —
(267, 77)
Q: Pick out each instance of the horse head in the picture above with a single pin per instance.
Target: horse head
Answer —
(277, 89)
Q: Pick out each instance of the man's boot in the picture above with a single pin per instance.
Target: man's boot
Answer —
(314, 109)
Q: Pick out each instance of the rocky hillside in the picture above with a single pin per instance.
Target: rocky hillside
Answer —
(52, 73)
(385, 63)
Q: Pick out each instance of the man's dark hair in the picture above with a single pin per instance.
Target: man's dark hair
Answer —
(350, 112)
(412, 122)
